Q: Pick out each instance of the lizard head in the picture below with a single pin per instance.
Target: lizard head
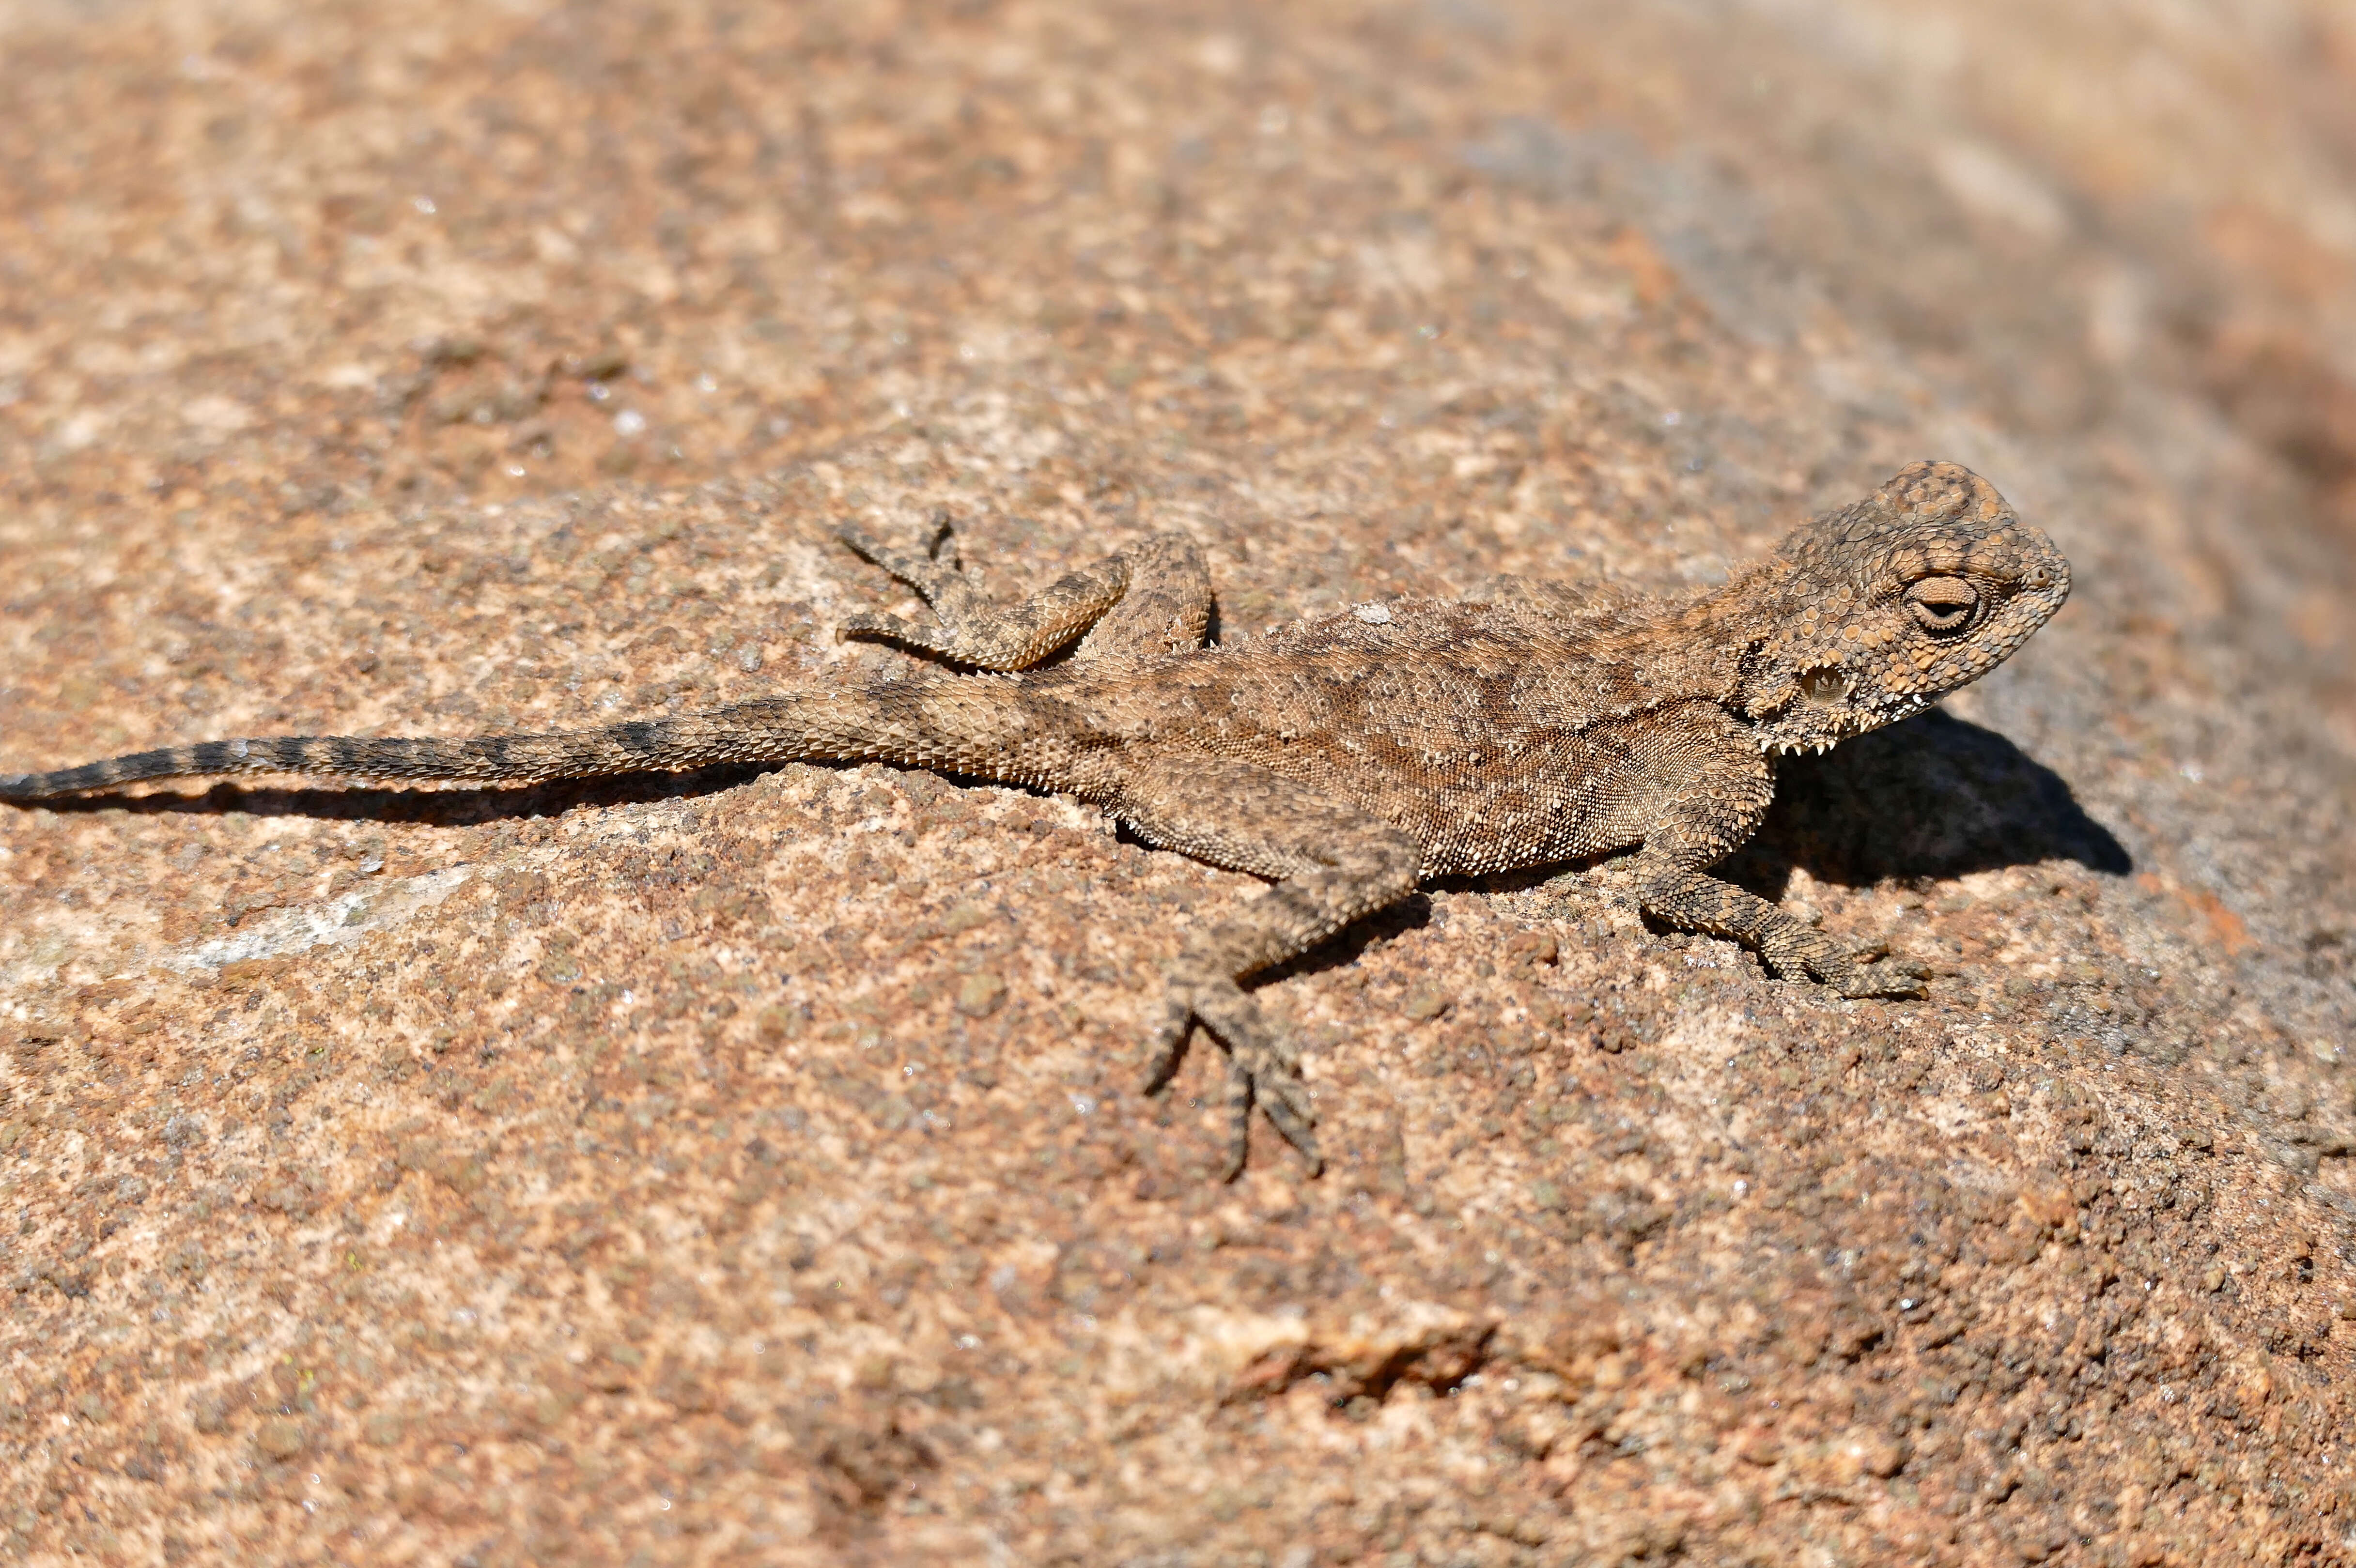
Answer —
(1876, 611)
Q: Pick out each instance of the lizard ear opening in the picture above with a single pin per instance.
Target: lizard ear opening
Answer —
(1825, 686)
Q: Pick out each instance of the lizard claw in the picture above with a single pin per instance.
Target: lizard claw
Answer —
(1263, 1070)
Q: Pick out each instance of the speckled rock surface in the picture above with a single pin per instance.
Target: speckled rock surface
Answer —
(746, 1167)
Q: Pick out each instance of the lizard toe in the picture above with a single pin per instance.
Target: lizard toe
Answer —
(930, 579)
(1169, 1043)
(1801, 952)
(1278, 1092)
(891, 629)
(1853, 975)
(1285, 1101)
(1890, 977)
(1239, 1110)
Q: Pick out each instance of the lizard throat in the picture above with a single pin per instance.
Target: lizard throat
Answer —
(1778, 739)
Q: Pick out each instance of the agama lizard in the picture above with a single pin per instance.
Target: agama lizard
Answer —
(1345, 758)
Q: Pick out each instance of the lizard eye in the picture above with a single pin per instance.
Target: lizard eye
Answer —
(1942, 606)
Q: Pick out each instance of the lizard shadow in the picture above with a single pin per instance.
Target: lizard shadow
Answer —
(1931, 798)
(1934, 797)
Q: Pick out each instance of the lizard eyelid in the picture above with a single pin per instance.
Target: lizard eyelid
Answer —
(1942, 606)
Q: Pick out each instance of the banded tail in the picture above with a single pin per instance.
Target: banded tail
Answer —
(984, 726)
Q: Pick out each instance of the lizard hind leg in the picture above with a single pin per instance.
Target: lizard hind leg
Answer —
(1331, 864)
(1155, 594)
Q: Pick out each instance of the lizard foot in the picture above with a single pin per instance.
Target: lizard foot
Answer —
(1263, 1067)
(932, 578)
(937, 584)
(1803, 950)
(1888, 978)
(969, 628)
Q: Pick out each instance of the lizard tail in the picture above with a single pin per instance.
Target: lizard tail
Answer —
(984, 726)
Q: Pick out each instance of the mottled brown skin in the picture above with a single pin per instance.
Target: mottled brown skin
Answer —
(1345, 758)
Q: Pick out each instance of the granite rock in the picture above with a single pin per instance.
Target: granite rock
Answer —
(748, 1167)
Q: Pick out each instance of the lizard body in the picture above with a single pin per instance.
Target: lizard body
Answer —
(1345, 758)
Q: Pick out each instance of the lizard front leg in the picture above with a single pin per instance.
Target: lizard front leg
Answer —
(1331, 863)
(1718, 788)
